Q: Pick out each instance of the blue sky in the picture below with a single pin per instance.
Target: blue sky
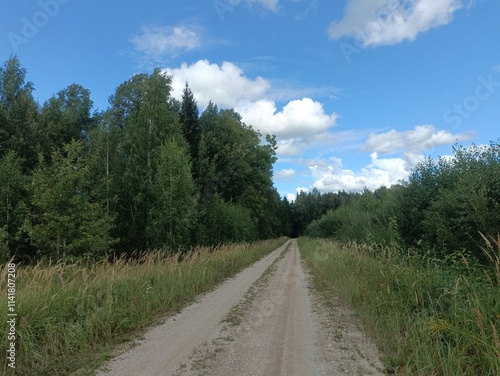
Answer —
(357, 91)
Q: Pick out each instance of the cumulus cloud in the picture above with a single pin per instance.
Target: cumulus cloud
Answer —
(411, 143)
(299, 118)
(299, 124)
(380, 172)
(408, 147)
(157, 41)
(226, 84)
(386, 22)
(285, 174)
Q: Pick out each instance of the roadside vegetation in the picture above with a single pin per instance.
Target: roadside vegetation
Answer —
(72, 316)
(419, 262)
(429, 317)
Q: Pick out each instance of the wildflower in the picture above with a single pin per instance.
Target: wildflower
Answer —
(148, 288)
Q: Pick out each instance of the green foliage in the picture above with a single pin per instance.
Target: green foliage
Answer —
(369, 217)
(190, 122)
(64, 220)
(443, 207)
(427, 317)
(148, 166)
(106, 164)
(65, 117)
(141, 109)
(457, 199)
(172, 214)
(18, 111)
(234, 165)
(225, 222)
(309, 207)
(12, 204)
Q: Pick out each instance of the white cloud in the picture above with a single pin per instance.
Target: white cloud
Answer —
(226, 85)
(385, 171)
(285, 174)
(385, 22)
(299, 124)
(411, 143)
(299, 118)
(157, 41)
(267, 4)
(409, 148)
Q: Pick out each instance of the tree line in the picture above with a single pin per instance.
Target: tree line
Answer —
(444, 208)
(148, 172)
(152, 172)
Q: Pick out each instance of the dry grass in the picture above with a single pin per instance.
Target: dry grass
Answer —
(70, 316)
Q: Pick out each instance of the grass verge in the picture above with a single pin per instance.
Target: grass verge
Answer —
(428, 318)
(69, 317)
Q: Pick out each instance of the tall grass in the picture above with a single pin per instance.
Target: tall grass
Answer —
(70, 316)
(428, 317)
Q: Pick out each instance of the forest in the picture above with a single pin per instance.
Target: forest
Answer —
(151, 172)
(444, 210)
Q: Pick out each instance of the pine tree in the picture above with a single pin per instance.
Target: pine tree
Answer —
(190, 122)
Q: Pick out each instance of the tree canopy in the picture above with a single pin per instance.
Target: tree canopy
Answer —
(148, 172)
(153, 172)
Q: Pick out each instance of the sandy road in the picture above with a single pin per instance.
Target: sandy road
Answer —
(283, 330)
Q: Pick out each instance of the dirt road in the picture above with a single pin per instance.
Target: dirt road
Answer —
(266, 321)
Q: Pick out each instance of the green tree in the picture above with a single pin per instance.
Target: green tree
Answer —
(420, 190)
(105, 160)
(233, 162)
(172, 213)
(467, 201)
(12, 206)
(141, 107)
(64, 220)
(18, 113)
(224, 222)
(189, 119)
(66, 117)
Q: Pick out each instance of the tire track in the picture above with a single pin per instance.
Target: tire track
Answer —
(167, 347)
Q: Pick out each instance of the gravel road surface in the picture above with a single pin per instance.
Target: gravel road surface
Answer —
(275, 325)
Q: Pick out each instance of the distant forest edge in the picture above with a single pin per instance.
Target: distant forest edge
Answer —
(447, 209)
(150, 172)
